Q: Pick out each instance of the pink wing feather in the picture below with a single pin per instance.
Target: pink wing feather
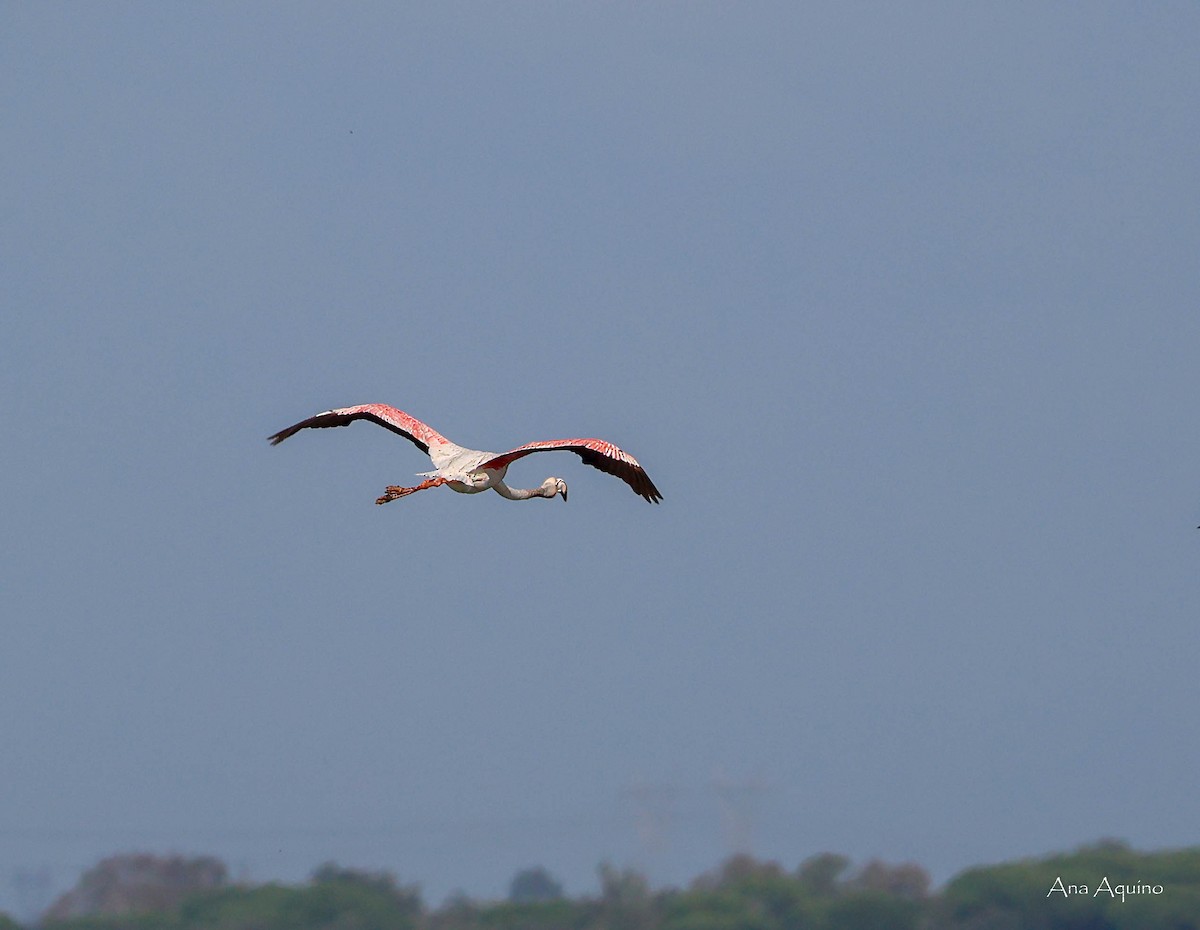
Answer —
(397, 421)
(595, 452)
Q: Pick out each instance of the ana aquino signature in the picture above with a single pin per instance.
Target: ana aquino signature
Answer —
(1120, 890)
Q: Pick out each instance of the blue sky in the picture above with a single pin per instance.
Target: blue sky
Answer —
(896, 304)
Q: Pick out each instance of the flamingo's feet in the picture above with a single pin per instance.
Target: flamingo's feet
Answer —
(394, 492)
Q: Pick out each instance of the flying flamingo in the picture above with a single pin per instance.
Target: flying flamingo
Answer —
(469, 471)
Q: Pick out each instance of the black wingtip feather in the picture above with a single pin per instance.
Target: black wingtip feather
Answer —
(632, 475)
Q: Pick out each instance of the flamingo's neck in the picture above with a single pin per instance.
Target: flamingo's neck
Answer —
(521, 494)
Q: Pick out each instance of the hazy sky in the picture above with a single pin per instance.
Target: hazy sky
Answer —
(898, 304)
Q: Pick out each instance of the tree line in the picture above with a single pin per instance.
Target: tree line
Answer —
(1105, 886)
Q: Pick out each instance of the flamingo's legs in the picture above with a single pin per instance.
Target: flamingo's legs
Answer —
(394, 492)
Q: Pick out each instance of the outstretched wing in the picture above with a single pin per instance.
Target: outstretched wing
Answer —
(595, 452)
(421, 434)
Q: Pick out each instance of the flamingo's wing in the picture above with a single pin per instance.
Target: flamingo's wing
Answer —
(421, 434)
(595, 452)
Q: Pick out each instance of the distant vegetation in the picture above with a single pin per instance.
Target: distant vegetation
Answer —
(1107, 886)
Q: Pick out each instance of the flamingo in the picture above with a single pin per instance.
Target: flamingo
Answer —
(470, 471)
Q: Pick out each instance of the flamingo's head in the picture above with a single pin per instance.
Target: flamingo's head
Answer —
(552, 487)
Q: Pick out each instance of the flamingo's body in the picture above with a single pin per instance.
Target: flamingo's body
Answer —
(470, 471)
